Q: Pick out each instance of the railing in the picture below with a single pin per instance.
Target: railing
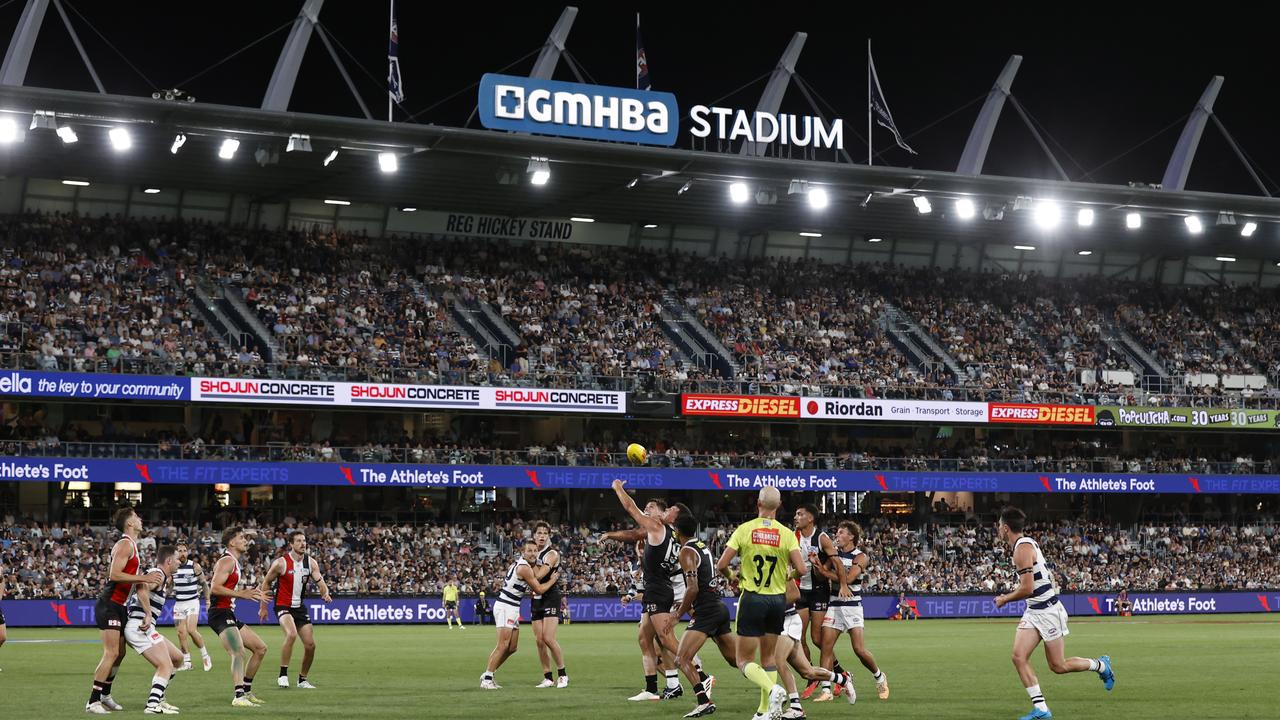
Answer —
(1152, 391)
(280, 452)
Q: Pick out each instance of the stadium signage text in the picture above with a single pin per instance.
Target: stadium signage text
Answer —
(899, 410)
(594, 112)
(741, 406)
(763, 127)
(1042, 414)
(1187, 417)
(199, 472)
(94, 386)
(603, 608)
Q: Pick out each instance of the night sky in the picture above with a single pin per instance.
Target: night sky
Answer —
(1099, 80)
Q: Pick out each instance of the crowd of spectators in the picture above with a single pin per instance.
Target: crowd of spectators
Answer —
(375, 559)
(101, 293)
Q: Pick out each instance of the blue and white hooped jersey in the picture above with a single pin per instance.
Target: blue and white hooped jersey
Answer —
(847, 559)
(1045, 592)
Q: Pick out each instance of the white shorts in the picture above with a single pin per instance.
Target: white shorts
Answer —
(677, 592)
(186, 607)
(843, 617)
(506, 616)
(139, 640)
(1051, 622)
(793, 627)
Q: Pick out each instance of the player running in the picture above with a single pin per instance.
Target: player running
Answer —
(506, 610)
(291, 572)
(235, 637)
(4, 633)
(845, 612)
(770, 559)
(544, 611)
(789, 652)
(109, 611)
(450, 599)
(188, 585)
(815, 591)
(140, 632)
(1044, 619)
(710, 618)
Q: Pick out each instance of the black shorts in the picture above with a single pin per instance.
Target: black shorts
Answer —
(299, 615)
(547, 606)
(761, 614)
(659, 600)
(222, 618)
(711, 619)
(450, 604)
(110, 616)
(815, 600)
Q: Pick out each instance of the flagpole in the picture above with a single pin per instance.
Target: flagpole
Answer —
(868, 102)
(390, 28)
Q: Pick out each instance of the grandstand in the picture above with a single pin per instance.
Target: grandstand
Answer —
(412, 342)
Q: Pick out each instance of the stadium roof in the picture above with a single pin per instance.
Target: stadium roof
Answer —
(459, 169)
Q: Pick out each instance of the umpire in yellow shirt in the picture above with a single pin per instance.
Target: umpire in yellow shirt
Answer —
(770, 559)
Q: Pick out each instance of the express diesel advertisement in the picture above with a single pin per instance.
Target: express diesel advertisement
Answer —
(741, 406)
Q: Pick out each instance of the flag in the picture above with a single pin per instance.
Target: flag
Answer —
(877, 103)
(642, 64)
(393, 60)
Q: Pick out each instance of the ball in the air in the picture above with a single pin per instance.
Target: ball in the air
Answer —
(637, 454)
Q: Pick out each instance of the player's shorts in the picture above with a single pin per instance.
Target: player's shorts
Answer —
(761, 614)
(140, 640)
(711, 619)
(677, 592)
(1050, 622)
(793, 627)
(506, 616)
(547, 606)
(451, 605)
(110, 616)
(299, 615)
(843, 617)
(814, 600)
(184, 608)
(659, 600)
(222, 618)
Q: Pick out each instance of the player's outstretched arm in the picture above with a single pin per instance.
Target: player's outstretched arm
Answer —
(649, 524)
(625, 536)
(1024, 558)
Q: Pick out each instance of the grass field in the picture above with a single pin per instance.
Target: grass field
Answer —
(1168, 667)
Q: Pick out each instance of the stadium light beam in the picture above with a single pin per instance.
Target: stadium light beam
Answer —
(811, 234)
(120, 139)
(388, 162)
(76, 183)
(1047, 214)
(1225, 258)
(333, 155)
(1248, 229)
(335, 201)
(1085, 253)
(1084, 218)
(8, 130)
(1133, 220)
(965, 209)
(922, 205)
(583, 219)
(1194, 226)
(739, 193)
(818, 198)
(178, 141)
(228, 148)
(875, 240)
(151, 191)
(685, 188)
(539, 171)
(1024, 247)
(650, 226)
(409, 209)
(67, 134)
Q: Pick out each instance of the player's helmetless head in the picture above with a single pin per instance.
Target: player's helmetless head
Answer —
(530, 551)
(542, 534)
(167, 559)
(770, 499)
(686, 525)
(656, 508)
(126, 519)
(182, 552)
(806, 517)
(848, 534)
(233, 539)
(298, 542)
(1012, 522)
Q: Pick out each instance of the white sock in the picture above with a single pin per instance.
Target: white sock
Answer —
(186, 657)
(158, 685)
(1095, 665)
(826, 684)
(878, 675)
(673, 679)
(795, 700)
(204, 652)
(1036, 698)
